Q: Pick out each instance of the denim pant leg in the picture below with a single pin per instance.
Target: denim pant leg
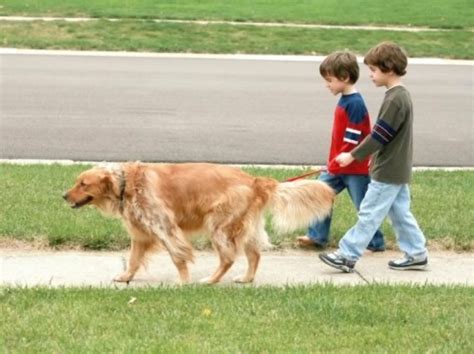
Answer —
(357, 187)
(410, 238)
(319, 231)
(374, 207)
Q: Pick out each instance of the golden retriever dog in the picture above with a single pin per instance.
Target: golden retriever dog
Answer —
(162, 205)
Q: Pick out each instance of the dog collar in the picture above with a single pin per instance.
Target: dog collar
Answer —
(122, 183)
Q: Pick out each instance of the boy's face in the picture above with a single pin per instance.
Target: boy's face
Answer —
(335, 85)
(379, 78)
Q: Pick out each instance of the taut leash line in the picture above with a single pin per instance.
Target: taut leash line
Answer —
(314, 172)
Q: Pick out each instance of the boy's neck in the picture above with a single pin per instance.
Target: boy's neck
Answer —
(348, 90)
(393, 81)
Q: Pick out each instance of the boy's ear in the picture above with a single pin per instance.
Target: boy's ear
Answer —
(347, 79)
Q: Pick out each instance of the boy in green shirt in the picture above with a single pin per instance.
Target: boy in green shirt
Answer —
(391, 146)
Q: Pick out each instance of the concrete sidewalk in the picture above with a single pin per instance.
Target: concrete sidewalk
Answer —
(290, 267)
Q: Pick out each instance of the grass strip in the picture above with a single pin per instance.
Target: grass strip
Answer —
(318, 318)
(32, 210)
(433, 13)
(149, 36)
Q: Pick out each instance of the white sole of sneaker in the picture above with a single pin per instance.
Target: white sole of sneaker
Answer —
(345, 269)
(412, 267)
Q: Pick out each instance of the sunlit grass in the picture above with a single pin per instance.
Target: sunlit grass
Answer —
(432, 13)
(148, 36)
(317, 318)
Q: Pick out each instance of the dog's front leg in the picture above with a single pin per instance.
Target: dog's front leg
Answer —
(134, 262)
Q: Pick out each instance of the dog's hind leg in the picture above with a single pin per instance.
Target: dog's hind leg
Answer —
(253, 257)
(255, 240)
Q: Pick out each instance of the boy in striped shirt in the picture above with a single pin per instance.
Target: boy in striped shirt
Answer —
(391, 146)
(351, 125)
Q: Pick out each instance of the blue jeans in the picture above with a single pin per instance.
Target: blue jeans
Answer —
(384, 199)
(356, 186)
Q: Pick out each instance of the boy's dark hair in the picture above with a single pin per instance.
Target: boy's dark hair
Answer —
(342, 65)
(387, 56)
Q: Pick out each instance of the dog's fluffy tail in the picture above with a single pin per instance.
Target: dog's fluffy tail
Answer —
(297, 204)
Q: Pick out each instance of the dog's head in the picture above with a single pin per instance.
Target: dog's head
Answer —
(94, 187)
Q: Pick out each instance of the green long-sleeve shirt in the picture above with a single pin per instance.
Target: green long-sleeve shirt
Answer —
(391, 141)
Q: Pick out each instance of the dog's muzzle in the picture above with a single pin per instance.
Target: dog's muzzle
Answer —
(78, 204)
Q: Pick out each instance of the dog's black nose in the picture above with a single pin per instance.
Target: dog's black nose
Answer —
(65, 196)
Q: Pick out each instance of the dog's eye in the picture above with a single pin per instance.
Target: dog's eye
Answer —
(82, 184)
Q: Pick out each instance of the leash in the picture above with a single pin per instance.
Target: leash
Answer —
(314, 172)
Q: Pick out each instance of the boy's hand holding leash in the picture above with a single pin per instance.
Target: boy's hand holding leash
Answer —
(344, 159)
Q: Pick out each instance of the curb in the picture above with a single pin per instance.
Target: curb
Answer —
(97, 163)
(249, 57)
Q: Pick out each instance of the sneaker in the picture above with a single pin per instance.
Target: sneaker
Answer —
(335, 260)
(376, 249)
(408, 263)
(305, 241)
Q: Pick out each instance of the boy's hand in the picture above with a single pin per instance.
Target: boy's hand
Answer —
(344, 159)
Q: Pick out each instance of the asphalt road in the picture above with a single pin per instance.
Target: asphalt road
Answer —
(94, 108)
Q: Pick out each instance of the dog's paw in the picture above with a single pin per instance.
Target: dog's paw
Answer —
(242, 279)
(207, 280)
(181, 282)
(123, 278)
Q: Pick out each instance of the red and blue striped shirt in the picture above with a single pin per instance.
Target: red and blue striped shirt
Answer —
(351, 126)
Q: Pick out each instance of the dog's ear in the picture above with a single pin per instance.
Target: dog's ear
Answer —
(108, 183)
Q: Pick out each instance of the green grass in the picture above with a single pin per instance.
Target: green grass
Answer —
(318, 318)
(433, 13)
(32, 210)
(148, 36)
